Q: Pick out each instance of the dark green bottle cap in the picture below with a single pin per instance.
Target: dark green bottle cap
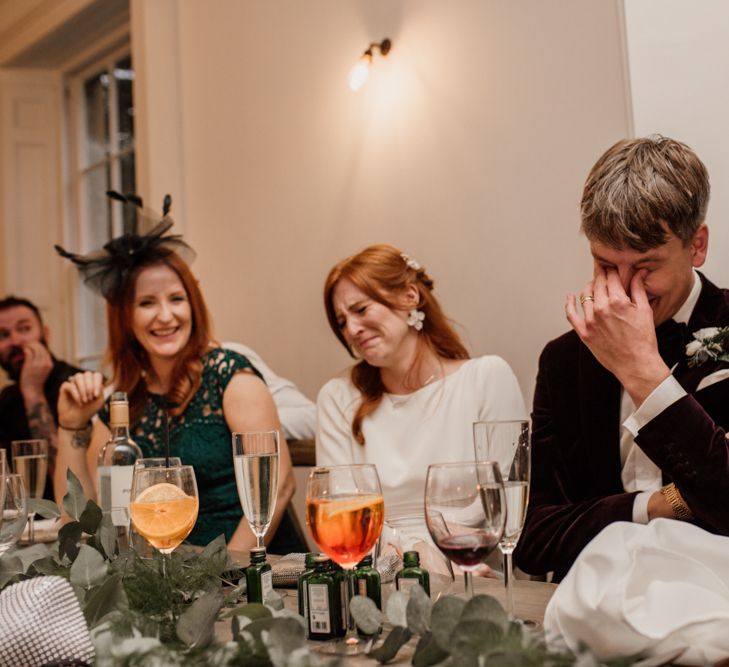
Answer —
(411, 559)
(258, 555)
(309, 560)
(321, 561)
(366, 561)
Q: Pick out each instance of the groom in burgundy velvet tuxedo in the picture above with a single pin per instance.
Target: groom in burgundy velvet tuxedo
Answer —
(627, 426)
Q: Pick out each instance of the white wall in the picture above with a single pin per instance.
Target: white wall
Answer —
(679, 72)
(467, 148)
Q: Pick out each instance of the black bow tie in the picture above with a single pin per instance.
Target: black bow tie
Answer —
(671, 341)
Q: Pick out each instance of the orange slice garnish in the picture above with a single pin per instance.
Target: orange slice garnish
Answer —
(164, 514)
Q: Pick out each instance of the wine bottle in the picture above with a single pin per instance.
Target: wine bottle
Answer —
(412, 573)
(116, 466)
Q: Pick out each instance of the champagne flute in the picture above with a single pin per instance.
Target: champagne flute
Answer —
(255, 460)
(344, 512)
(14, 512)
(164, 506)
(465, 511)
(507, 442)
(30, 461)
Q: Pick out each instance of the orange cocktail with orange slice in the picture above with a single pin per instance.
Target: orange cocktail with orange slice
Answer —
(164, 505)
(164, 515)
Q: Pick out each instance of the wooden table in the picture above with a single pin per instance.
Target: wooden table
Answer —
(530, 601)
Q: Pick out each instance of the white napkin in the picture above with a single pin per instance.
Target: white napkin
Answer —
(656, 588)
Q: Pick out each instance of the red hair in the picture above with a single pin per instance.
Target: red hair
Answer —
(383, 274)
(129, 359)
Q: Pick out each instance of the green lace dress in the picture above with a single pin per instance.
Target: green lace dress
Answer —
(201, 438)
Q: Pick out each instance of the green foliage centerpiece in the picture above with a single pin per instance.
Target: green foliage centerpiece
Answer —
(140, 614)
(137, 615)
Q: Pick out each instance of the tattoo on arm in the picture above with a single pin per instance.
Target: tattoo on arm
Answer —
(81, 439)
(42, 425)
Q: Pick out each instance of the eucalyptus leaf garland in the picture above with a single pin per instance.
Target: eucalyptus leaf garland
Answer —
(464, 633)
(137, 616)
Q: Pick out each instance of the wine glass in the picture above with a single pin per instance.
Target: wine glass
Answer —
(255, 460)
(30, 461)
(507, 442)
(344, 512)
(465, 511)
(14, 512)
(164, 505)
(136, 541)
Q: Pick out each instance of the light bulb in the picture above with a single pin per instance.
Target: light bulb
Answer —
(360, 72)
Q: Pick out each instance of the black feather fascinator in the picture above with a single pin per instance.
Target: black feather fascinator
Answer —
(107, 271)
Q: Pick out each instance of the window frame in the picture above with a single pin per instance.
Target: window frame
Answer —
(86, 341)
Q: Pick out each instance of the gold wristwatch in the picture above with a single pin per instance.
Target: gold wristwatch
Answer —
(680, 509)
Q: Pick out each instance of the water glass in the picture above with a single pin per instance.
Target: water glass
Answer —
(14, 512)
(30, 461)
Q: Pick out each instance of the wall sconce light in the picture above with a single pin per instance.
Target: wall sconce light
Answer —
(361, 70)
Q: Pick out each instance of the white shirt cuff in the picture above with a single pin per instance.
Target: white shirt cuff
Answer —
(640, 507)
(665, 394)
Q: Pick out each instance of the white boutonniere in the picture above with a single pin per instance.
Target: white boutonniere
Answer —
(711, 343)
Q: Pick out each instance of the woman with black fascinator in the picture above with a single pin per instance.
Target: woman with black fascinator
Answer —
(163, 356)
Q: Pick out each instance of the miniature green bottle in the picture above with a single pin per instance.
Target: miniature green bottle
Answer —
(412, 573)
(340, 579)
(259, 578)
(367, 581)
(303, 583)
(323, 601)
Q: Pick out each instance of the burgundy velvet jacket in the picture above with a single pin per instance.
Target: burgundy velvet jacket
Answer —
(576, 486)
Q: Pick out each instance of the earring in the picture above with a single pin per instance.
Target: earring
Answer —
(415, 319)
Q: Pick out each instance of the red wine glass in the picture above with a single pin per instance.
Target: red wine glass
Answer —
(465, 510)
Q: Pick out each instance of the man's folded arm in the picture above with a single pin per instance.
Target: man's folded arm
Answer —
(556, 530)
(686, 443)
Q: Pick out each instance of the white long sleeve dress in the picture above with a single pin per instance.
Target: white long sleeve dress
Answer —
(406, 433)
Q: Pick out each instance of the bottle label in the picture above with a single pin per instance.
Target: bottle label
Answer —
(343, 600)
(362, 587)
(266, 584)
(319, 621)
(121, 490)
(305, 598)
(404, 584)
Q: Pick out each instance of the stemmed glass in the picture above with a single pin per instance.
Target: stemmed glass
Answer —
(465, 511)
(344, 512)
(136, 541)
(14, 512)
(507, 442)
(30, 461)
(164, 505)
(255, 460)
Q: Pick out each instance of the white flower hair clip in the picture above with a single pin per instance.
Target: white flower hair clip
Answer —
(412, 263)
(415, 319)
(709, 344)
